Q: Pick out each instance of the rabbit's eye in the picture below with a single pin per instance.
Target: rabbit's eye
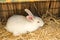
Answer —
(38, 22)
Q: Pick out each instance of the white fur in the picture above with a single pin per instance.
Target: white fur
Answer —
(18, 24)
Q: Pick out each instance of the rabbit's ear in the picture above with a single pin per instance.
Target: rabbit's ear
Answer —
(28, 12)
(29, 18)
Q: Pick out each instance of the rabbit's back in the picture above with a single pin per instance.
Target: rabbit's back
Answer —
(16, 23)
(17, 19)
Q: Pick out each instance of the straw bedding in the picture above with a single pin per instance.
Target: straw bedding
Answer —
(50, 31)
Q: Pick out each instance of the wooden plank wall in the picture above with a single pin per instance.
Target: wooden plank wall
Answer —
(55, 8)
(4, 1)
(38, 8)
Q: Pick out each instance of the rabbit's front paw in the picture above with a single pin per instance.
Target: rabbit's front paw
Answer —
(16, 34)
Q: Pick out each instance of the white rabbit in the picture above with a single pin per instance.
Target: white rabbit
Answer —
(18, 24)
